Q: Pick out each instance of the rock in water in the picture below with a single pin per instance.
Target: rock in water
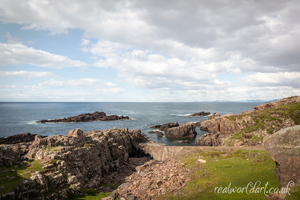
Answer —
(284, 148)
(185, 131)
(87, 117)
(200, 114)
(164, 127)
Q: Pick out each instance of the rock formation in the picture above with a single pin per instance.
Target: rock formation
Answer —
(96, 116)
(79, 159)
(166, 126)
(250, 127)
(213, 116)
(185, 131)
(200, 114)
(284, 148)
(153, 179)
(25, 137)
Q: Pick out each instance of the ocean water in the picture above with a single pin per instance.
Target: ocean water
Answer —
(16, 118)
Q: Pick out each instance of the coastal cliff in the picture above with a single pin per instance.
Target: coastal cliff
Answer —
(250, 127)
(52, 167)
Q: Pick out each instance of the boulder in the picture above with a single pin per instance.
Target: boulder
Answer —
(164, 127)
(19, 138)
(284, 148)
(185, 131)
(213, 116)
(160, 134)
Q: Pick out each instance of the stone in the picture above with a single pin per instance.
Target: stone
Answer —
(201, 161)
(160, 134)
(213, 116)
(185, 131)
(76, 133)
(284, 148)
(164, 127)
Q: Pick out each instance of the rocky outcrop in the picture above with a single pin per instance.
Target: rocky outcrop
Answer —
(185, 131)
(79, 159)
(213, 116)
(164, 127)
(250, 127)
(19, 138)
(153, 179)
(200, 114)
(284, 148)
(277, 103)
(96, 116)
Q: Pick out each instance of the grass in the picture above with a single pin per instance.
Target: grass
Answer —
(19, 173)
(235, 168)
(89, 194)
(56, 148)
(267, 119)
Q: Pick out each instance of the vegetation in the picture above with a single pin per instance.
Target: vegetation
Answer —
(235, 168)
(10, 177)
(89, 194)
(266, 120)
(87, 144)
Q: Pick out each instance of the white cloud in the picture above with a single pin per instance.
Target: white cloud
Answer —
(274, 79)
(25, 73)
(171, 45)
(17, 54)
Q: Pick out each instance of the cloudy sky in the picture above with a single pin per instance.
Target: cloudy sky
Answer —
(136, 50)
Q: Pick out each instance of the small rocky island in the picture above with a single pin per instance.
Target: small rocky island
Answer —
(87, 117)
(200, 114)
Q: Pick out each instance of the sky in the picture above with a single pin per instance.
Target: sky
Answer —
(149, 51)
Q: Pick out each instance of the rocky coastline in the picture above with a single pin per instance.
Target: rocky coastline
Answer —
(126, 164)
(87, 117)
(250, 127)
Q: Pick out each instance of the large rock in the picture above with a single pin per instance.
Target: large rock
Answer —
(200, 114)
(96, 116)
(284, 148)
(213, 116)
(185, 131)
(164, 127)
(19, 138)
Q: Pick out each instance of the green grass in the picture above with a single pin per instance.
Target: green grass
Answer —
(268, 119)
(235, 168)
(56, 148)
(19, 173)
(90, 194)
(87, 144)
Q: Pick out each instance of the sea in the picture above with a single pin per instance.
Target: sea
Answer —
(17, 118)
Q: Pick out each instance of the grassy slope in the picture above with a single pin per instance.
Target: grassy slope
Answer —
(19, 173)
(237, 168)
(268, 120)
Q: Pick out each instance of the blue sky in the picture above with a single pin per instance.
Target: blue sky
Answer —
(148, 51)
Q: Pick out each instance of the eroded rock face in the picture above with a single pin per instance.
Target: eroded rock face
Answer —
(284, 148)
(251, 126)
(79, 159)
(185, 131)
(96, 116)
(164, 127)
(213, 116)
(19, 138)
(200, 114)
